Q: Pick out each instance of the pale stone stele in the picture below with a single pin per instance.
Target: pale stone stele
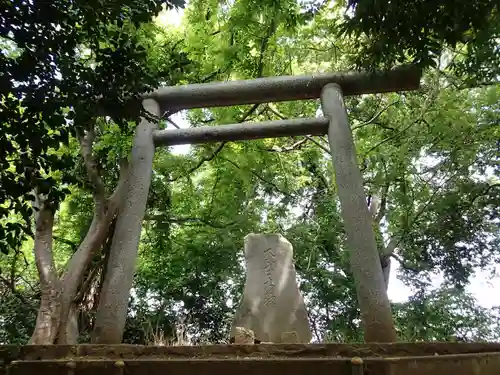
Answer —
(272, 305)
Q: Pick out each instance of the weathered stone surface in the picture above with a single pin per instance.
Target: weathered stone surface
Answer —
(290, 338)
(272, 305)
(9, 353)
(243, 335)
(471, 364)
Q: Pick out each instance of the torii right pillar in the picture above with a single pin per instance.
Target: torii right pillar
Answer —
(374, 304)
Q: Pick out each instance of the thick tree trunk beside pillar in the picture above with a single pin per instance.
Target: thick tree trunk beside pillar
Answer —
(71, 331)
(58, 312)
(364, 258)
(48, 317)
(112, 309)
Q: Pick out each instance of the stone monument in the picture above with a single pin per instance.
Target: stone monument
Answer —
(272, 305)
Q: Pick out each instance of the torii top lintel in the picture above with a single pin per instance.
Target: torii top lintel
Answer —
(283, 88)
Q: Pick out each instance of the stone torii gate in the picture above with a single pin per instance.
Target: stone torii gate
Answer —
(330, 88)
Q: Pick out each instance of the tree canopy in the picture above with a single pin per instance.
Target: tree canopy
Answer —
(429, 160)
(459, 34)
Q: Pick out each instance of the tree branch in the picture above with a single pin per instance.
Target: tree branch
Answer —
(114, 200)
(419, 118)
(293, 147)
(318, 144)
(184, 220)
(43, 243)
(201, 162)
(260, 68)
(260, 178)
(275, 111)
(173, 123)
(307, 137)
(403, 264)
(376, 116)
(86, 283)
(93, 242)
(73, 245)
(385, 193)
(17, 294)
(264, 44)
(98, 190)
(389, 249)
(217, 150)
(485, 191)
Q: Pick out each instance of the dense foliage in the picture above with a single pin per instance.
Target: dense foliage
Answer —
(431, 157)
(62, 66)
(390, 32)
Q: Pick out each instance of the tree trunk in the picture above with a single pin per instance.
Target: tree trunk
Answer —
(374, 304)
(112, 309)
(57, 317)
(48, 317)
(71, 331)
(75, 271)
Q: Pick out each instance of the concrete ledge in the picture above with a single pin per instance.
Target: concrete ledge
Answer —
(331, 359)
(462, 364)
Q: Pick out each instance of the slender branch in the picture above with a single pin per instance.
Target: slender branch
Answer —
(275, 111)
(385, 140)
(173, 123)
(248, 113)
(312, 319)
(86, 283)
(318, 144)
(264, 44)
(17, 293)
(86, 145)
(185, 220)
(207, 121)
(217, 150)
(260, 178)
(200, 162)
(384, 195)
(13, 269)
(260, 68)
(293, 147)
(73, 245)
(397, 240)
(27, 230)
(423, 209)
(211, 75)
(307, 137)
(403, 264)
(415, 121)
(376, 116)
(485, 191)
